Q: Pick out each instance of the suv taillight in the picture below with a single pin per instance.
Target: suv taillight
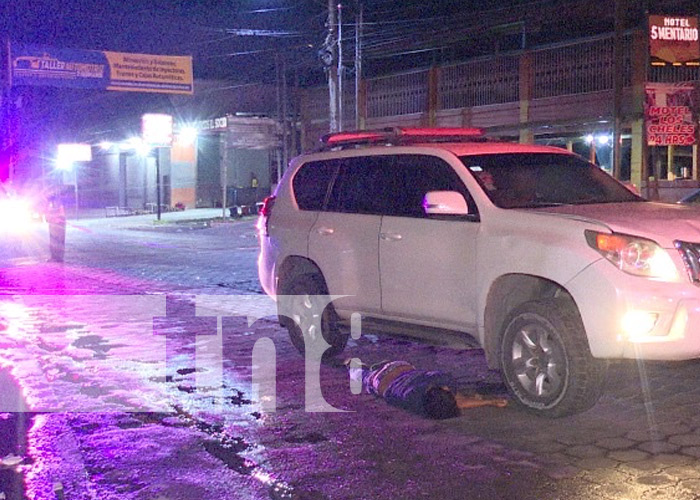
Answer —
(267, 205)
(265, 212)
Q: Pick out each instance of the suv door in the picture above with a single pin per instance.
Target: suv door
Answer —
(344, 240)
(428, 264)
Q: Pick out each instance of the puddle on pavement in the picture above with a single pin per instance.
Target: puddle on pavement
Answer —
(60, 328)
(93, 342)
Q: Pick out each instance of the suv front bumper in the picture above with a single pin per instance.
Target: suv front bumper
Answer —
(632, 317)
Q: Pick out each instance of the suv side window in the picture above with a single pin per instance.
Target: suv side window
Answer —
(414, 176)
(363, 186)
(311, 183)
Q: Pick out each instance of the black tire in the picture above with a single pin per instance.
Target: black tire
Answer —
(546, 362)
(301, 305)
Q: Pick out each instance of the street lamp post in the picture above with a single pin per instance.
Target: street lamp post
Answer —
(157, 130)
(156, 151)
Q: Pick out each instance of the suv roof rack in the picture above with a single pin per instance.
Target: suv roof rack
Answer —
(399, 136)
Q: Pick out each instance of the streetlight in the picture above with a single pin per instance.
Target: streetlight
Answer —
(187, 135)
(67, 160)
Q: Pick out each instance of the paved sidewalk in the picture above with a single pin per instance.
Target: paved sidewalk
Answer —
(93, 217)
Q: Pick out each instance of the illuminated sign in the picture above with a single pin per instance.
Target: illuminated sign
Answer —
(213, 124)
(74, 152)
(157, 129)
(91, 69)
(674, 40)
(668, 114)
(150, 73)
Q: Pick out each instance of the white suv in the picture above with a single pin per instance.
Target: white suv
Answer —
(551, 264)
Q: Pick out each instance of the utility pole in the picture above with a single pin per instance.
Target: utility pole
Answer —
(8, 116)
(358, 62)
(618, 74)
(223, 159)
(340, 67)
(332, 75)
(285, 115)
(280, 147)
(158, 187)
(295, 114)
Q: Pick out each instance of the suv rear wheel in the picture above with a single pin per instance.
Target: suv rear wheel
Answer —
(546, 362)
(308, 315)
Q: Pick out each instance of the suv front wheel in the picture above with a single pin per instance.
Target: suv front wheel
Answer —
(546, 362)
(308, 315)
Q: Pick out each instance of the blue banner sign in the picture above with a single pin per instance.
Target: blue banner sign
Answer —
(100, 70)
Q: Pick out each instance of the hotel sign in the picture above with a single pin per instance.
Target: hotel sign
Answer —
(668, 113)
(674, 40)
(100, 70)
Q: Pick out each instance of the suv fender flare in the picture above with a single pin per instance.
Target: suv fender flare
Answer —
(505, 294)
(294, 265)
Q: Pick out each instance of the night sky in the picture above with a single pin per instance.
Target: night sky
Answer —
(238, 42)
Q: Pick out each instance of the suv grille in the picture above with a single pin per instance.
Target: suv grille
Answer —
(691, 257)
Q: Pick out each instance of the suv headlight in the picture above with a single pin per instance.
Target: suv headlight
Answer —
(634, 255)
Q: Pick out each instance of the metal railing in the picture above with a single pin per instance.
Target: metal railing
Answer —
(400, 94)
(479, 83)
(578, 68)
(570, 68)
(672, 74)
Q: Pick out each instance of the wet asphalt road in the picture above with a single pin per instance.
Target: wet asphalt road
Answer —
(128, 415)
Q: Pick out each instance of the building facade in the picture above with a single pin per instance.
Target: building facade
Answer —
(562, 94)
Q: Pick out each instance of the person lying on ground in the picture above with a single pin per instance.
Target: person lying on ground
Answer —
(430, 394)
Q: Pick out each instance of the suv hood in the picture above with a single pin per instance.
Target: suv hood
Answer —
(661, 222)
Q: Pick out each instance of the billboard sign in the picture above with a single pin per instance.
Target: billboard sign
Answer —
(157, 129)
(219, 123)
(668, 113)
(69, 153)
(674, 40)
(99, 70)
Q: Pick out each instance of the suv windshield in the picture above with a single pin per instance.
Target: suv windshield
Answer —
(530, 180)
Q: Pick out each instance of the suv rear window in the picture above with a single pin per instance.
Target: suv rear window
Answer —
(311, 183)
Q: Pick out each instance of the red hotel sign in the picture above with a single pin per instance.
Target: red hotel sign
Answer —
(674, 40)
(668, 114)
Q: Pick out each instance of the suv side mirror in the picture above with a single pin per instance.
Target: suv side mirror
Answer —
(445, 203)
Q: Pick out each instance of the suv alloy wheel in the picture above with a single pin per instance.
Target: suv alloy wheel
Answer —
(546, 362)
(308, 315)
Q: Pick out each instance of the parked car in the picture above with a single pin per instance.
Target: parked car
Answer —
(553, 266)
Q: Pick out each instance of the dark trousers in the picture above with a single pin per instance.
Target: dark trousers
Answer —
(57, 240)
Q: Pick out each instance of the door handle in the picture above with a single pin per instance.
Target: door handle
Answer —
(325, 231)
(390, 236)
